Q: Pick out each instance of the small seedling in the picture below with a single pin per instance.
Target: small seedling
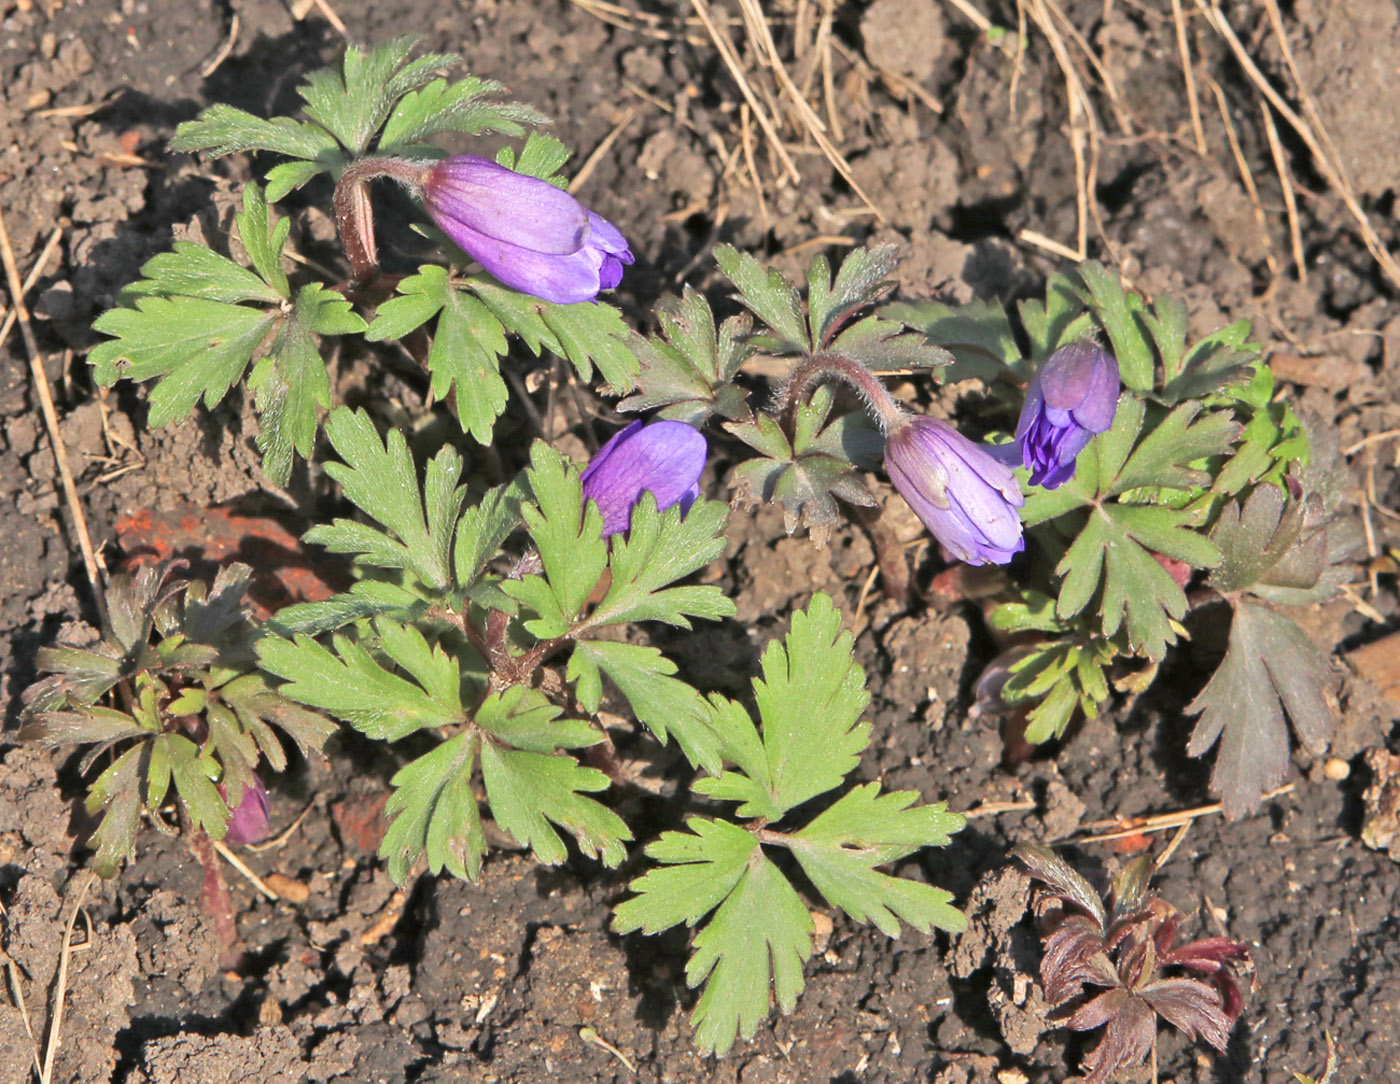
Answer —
(1106, 964)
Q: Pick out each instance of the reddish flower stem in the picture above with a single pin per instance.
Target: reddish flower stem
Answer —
(354, 217)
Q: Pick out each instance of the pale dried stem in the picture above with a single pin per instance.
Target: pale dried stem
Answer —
(1193, 105)
(35, 273)
(972, 15)
(1082, 128)
(41, 388)
(1329, 166)
(746, 139)
(736, 70)
(1290, 198)
(242, 867)
(591, 162)
(1246, 175)
(61, 992)
(759, 32)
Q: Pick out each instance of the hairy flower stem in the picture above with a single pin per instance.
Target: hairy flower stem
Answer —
(819, 368)
(354, 217)
(214, 893)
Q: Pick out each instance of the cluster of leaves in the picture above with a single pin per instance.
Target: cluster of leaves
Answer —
(805, 459)
(197, 320)
(441, 638)
(442, 644)
(756, 931)
(168, 696)
(1197, 438)
(1120, 947)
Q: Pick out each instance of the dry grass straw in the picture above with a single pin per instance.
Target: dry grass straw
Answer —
(1246, 174)
(1083, 130)
(1308, 126)
(45, 396)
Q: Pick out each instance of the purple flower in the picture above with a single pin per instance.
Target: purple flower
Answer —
(965, 497)
(662, 458)
(250, 822)
(1072, 397)
(532, 236)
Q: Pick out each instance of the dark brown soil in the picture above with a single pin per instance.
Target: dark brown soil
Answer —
(350, 978)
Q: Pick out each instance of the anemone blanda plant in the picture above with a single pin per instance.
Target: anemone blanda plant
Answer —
(1115, 964)
(497, 607)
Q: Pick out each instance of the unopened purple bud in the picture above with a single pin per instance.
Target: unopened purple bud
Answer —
(250, 822)
(662, 458)
(965, 496)
(532, 236)
(1071, 398)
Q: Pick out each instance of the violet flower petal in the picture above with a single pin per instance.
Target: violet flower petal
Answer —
(531, 236)
(1073, 397)
(251, 821)
(508, 206)
(962, 493)
(663, 458)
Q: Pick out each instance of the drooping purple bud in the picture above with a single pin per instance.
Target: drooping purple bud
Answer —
(250, 822)
(965, 497)
(532, 236)
(1073, 397)
(662, 458)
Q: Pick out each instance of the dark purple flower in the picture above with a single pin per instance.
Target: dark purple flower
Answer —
(965, 497)
(250, 822)
(662, 458)
(1073, 397)
(532, 236)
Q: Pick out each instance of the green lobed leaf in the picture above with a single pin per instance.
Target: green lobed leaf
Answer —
(462, 105)
(355, 101)
(758, 939)
(657, 550)
(223, 129)
(484, 526)
(380, 478)
(569, 539)
(808, 474)
(191, 270)
(366, 598)
(432, 813)
(264, 240)
(864, 277)
(1270, 670)
(354, 686)
(1114, 549)
(690, 369)
(116, 795)
(173, 757)
(1121, 314)
(467, 345)
(700, 867)
(531, 792)
(290, 380)
(767, 295)
(662, 703)
(978, 335)
(200, 347)
(588, 335)
(841, 848)
(542, 157)
(810, 700)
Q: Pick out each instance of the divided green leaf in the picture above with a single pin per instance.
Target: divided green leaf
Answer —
(689, 371)
(1271, 670)
(809, 472)
(380, 477)
(757, 936)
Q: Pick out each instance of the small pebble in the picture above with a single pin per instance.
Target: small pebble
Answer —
(1336, 769)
